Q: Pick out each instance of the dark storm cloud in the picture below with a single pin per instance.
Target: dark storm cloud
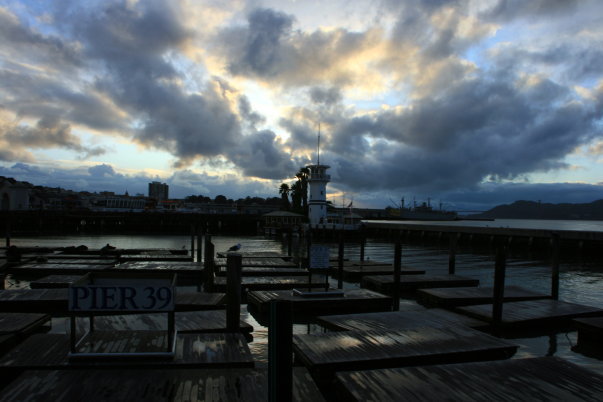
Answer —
(259, 155)
(257, 49)
(505, 10)
(472, 131)
(326, 96)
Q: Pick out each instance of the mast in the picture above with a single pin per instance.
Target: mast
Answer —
(318, 152)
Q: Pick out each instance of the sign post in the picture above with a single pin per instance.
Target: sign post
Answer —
(105, 293)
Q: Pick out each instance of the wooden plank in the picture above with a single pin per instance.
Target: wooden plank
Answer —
(267, 271)
(50, 351)
(155, 257)
(54, 301)
(186, 322)
(257, 254)
(543, 379)
(259, 262)
(454, 297)
(384, 321)
(22, 324)
(77, 261)
(355, 272)
(533, 313)
(51, 268)
(410, 283)
(154, 385)
(250, 283)
(355, 300)
(324, 354)
(54, 281)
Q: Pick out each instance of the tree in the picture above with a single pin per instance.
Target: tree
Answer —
(284, 192)
(296, 196)
(302, 177)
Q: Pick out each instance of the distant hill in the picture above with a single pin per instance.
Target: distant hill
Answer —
(537, 210)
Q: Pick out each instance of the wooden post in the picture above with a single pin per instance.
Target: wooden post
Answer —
(555, 243)
(199, 245)
(362, 245)
(209, 264)
(452, 254)
(193, 242)
(340, 263)
(280, 351)
(7, 232)
(234, 261)
(499, 284)
(289, 242)
(397, 268)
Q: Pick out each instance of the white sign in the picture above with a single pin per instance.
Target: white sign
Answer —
(319, 256)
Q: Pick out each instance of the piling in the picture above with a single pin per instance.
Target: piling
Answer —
(555, 266)
(234, 263)
(452, 254)
(362, 245)
(199, 244)
(280, 352)
(193, 242)
(397, 269)
(209, 264)
(499, 284)
(289, 242)
(340, 263)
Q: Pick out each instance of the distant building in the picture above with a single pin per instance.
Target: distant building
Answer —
(159, 191)
(14, 195)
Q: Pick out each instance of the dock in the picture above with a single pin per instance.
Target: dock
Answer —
(384, 321)
(255, 283)
(325, 354)
(194, 385)
(266, 271)
(54, 301)
(532, 313)
(411, 283)
(275, 262)
(52, 268)
(544, 378)
(354, 271)
(466, 296)
(14, 327)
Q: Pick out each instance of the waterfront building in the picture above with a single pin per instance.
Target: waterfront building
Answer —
(159, 191)
(14, 195)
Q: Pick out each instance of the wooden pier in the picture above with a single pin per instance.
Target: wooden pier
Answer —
(194, 385)
(394, 320)
(354, 271)
(54, 301)
(14, 327)
(50, 351)
(543, 379)
(357, 300)
(52, 268)
(255, 283)
(259, 262)
(411, 283)
(533, 313)
(454, 297)
(266, 271)
(325, 354)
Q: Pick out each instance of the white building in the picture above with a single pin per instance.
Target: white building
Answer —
(317, 183)
(14, 195)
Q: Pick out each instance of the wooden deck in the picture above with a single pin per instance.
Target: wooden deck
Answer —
(397, 320)
(256, 254)
(54, 301)
(254, 283)
(410, 283)
(542, 379)
(454, 297)
(155, 257)
(324, 354)
(547, 313)
(357, 300)
(266, 271)
(259, 262)
(186, 322)
(54, 281)
(50, 351)
(354, 271)
(154, 385)
(51, 268)
(14, 327)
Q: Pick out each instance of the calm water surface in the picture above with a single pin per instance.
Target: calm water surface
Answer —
(580, 280)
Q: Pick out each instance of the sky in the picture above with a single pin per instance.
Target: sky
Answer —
(470, 104)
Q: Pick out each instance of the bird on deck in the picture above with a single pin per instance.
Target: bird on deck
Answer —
(236, 247)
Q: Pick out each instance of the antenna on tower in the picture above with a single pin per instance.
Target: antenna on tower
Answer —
(318, 153)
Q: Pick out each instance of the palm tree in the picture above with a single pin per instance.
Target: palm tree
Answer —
(302, 177)
(284, 192)
(296, 196)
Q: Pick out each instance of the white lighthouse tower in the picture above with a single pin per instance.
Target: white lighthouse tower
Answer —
(317, 183)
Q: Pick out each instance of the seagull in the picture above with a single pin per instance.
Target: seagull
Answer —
(236, 247)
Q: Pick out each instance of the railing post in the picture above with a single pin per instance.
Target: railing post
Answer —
(397, 269)
(280, 350)
(499, 284)
(234, 262)
(452, 254)
(209, 264)
(340, 262)
(555, 243)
